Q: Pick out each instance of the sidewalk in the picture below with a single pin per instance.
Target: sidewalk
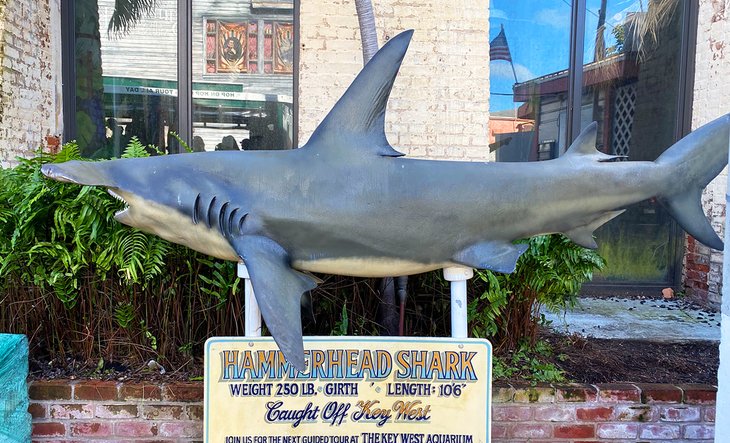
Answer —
(657, 320)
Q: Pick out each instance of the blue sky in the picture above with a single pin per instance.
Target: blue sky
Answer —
(538, 33)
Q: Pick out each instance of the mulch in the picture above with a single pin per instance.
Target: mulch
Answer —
(593, 360)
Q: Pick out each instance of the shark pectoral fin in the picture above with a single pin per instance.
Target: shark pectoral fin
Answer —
(583, 235)
(686, 208)
(278, 289)
(498, 256)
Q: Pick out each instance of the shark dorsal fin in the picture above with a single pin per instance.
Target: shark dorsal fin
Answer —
(585, 145)
(357, 121)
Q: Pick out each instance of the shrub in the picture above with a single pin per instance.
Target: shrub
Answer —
(81, 284)
(550, 273)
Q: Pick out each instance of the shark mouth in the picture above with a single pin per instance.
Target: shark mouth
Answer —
(116, 194)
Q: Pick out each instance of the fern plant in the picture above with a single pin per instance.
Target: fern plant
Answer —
(550, 273)
(61, 247)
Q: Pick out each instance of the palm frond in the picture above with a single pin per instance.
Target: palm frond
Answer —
(127, 13)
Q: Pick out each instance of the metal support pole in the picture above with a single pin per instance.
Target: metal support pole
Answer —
(252, 318)
(458, 277)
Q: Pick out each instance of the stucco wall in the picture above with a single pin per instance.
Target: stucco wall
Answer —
(30, 97)
(439, 106)
(703, 267)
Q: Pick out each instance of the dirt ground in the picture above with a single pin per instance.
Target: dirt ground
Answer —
(592, 360)
(584, 360)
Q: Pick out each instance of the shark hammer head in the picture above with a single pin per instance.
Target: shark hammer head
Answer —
(87, 173)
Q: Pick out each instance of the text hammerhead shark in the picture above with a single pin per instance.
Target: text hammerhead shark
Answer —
(346, 203)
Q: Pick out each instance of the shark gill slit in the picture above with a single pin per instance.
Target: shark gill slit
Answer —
(222, 218)
(240, 223)
(196, 208)
(209, 215)
(231, 217)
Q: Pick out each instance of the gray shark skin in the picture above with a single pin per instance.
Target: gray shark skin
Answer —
(348, 203)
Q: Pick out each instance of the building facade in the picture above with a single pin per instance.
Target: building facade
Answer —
(264, 73)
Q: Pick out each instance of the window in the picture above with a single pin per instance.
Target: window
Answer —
(626, 72)
(130, 76)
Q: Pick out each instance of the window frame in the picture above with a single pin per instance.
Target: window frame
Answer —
(184, 69)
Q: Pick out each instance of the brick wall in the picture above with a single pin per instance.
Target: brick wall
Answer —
(604, 412)
(87, 410)
(703, 267)
(439, 106)
(29, 104)
(110, 411)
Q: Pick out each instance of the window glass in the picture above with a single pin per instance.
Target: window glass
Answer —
(529, 56)
(126, 75)
(631, 69)
(243, 65)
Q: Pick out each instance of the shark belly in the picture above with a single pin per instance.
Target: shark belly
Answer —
(174, 226)
(366, 266)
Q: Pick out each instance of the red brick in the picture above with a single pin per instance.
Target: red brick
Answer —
(597, 413)
(697, 432)
(37, 410)
(499, 431)
(50, 390)
(511, 413)
(140, 391)
(617, 430)
(183, 392)
(71, 411)
(698, 394)
(555, 413)
(96, 390)
(182, 429)
(49, 429)
(135, 429)
(91, 429)
(680, 413)
(653, 431)
(574, 431)
(709, 414)
(575, 393)
(162, 412)
(618, 392)
(194, 412)
(660, 393)
(640, 413)
(116, 411)
(520, 430)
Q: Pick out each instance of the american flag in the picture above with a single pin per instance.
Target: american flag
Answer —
(498, 48)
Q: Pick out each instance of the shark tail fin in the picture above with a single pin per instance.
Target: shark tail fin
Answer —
(691, 164)
(357, 121)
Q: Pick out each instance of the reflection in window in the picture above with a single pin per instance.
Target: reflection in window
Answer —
(631, 84)
(529, 56)
(243, 64)
(631, 77)
(126, 75)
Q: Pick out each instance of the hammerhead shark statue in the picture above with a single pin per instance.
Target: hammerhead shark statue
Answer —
(347, 203)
